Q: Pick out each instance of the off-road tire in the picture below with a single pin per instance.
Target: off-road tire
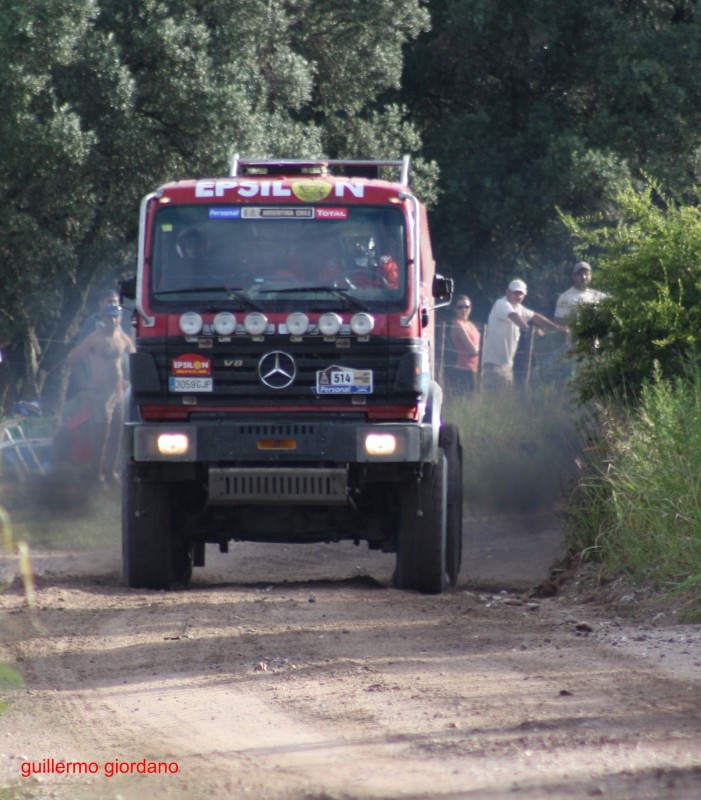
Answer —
(421, 546)
(151, 557)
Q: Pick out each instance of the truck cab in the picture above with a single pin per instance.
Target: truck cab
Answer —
(283, 388)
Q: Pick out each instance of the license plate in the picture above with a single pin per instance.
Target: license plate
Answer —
(190, 384)
(342, 380)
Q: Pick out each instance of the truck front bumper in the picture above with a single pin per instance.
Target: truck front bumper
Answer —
(250, 442)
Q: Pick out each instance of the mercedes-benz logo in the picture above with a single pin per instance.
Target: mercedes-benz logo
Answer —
(277, 370)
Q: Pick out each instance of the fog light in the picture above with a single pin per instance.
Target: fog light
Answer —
(172, 444)
(380, 444)
(224, 323)
(191, 323)
(255, 323)
(361, 324)
(330, 324)
(297, 323)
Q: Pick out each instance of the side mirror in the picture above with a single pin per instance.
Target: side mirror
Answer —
(442, 289)
(127, 288)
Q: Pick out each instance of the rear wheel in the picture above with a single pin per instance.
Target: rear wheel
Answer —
(450, 443)
(151, 557)
(421, 549)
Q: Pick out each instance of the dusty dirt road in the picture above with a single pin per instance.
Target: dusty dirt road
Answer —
(298, 673)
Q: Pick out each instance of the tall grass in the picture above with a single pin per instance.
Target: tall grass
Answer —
(62, 511)
(9, 676)
(638, 506)
(520, 447)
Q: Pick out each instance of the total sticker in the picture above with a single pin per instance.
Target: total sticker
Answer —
(343, 380)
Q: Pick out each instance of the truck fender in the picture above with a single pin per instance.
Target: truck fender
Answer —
(433, 414)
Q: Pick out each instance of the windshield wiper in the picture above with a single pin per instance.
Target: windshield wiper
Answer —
(232, 293)
(334, 290)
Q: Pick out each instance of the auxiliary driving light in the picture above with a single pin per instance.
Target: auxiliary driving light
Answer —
(172, 444)
(191, 323)
(255, 323)
(224, 323)
(380, 444)
(297, 323)
(330, 324)
(361, 324)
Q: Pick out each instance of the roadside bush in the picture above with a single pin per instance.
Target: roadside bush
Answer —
(647, 257)
(637, 509)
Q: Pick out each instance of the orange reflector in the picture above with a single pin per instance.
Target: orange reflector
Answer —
(277, 444)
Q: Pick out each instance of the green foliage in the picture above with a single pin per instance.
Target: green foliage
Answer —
(638, 507)
(526, 107)
(103, 100)
(649, 260)
(519, 447)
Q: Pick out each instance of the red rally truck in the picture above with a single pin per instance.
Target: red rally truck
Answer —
(283, 387)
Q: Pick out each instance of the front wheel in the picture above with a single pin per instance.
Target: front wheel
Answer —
(421, 548)
(152, 558)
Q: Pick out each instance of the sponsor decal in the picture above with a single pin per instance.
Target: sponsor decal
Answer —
(192, 365)
(225, 213)
(277, 212)
(307, 191)
(332, 213)
(311, 191)
(343, 380)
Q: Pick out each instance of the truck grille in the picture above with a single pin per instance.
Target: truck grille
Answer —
(234, 486)
(235, 374)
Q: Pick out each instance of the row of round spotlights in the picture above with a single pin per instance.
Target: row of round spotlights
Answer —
(255, 323)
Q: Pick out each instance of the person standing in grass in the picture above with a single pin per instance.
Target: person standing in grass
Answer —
(464, 340)
(507, 320)
(579, 294)
(103, 350)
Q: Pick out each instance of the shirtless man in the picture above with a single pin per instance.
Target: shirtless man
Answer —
(104, 349)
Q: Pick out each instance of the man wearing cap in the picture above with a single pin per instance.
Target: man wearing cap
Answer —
(107, 297)
(104, 350)
(580, 293)
(507, 319)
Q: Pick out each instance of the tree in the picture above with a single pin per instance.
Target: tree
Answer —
(529, 106)
(106, 99)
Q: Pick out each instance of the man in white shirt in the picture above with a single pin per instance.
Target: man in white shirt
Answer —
(577, 295)
(507, 319)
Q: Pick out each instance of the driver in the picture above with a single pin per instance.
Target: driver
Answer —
(365, 256)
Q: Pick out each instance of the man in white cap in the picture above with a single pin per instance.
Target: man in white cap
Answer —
(507, 319)
(580, 293)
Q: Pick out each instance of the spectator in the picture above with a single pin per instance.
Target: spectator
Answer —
(104, 350)
(464, 346)
(107, 297)
(507, 320)
(580, 293)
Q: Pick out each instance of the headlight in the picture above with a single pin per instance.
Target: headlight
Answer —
(297, 323)
(361, 324)
(380, 444)
(255, 323)
(224, 323)
(172, 444)
(191, 323)
(330, 324)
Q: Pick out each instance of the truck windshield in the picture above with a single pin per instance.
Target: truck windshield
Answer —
(279, 256)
